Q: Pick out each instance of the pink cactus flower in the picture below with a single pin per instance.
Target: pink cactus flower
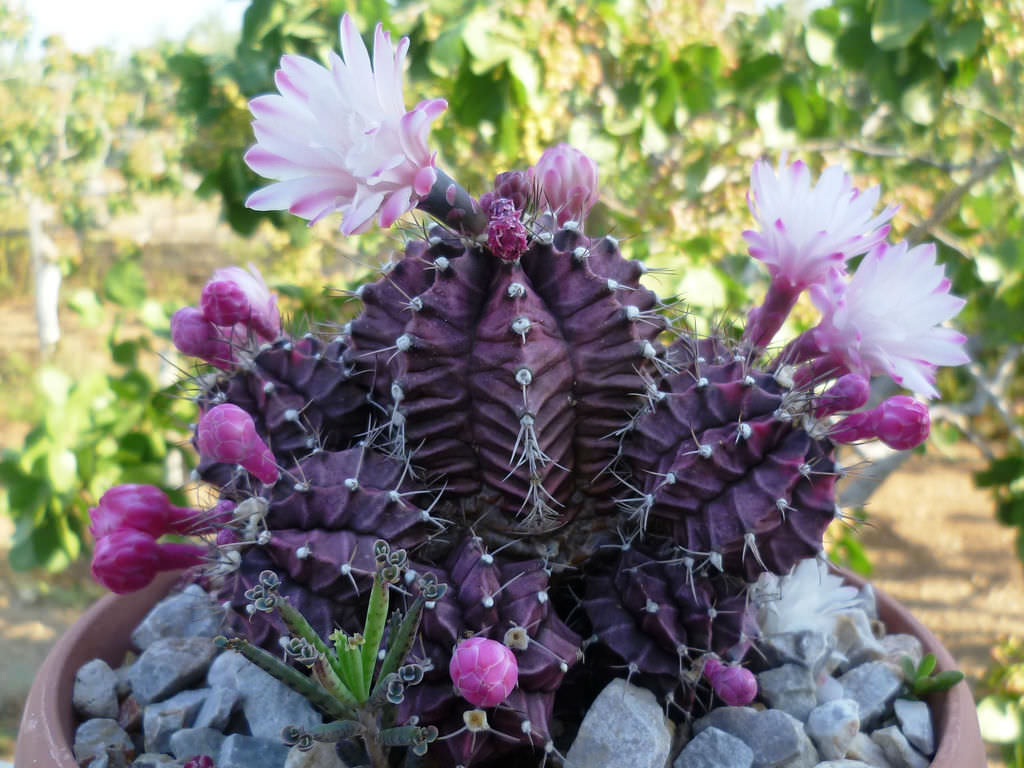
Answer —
(805, 233)
(483, 671)
(734, 685)
(194, 335)
(227, 433)
(235, 296)
(885, 319)
(568, 182)
(900, 422)
(340, 139)
(143, 508)
(126, 560)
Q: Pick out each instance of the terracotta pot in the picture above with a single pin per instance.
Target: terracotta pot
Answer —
(47, 726)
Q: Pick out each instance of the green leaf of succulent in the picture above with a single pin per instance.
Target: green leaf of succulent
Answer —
(373, 630)
(336, 731)
(927, 666)
(315, 693)
(909, 670)
(946, 680)
(400, 641)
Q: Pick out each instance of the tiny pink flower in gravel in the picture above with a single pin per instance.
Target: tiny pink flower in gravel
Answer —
(194, 335)
(339, 139)
(734, 685)
(143, 508)
(886, 318)
(483, 671)
(806, 231)
(200, 761)
(900, 422)
(126, 560)
(227, 433)
(568, 182)
(235, 295)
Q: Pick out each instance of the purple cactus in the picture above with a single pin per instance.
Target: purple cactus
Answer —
(521, 413)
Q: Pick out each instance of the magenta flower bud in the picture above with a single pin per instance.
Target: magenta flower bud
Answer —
(568, 182)
(142, 508)
(903, 422)
(227, 433)
(236, 296)
(506, 234)
(227, 536)
(848, 393)
(127, 560)
(900, 422)
(194, 335)
(483, 671)
(734, 685)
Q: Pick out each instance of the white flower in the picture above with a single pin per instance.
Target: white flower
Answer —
(805, 231)
(340, 139)
(885, 319)
(808, 599)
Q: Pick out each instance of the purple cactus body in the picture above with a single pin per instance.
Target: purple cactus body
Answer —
(512, 377)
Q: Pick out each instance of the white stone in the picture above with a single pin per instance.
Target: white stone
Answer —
(916, 723)
(95, 691)
(832, 726)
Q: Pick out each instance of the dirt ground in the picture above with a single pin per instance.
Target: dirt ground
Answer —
(933, 540)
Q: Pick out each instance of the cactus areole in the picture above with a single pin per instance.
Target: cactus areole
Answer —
(518, 410)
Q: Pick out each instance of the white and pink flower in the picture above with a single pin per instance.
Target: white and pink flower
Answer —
(340, 139)
(887, 318)
(807, 231)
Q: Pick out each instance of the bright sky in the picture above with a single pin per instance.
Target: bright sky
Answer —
(126, 24)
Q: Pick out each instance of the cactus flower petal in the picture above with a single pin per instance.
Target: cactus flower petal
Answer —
(340, 139)
(807, 231)
(194, 335)
(143, 508)
(900, 422)
(885, 319)
(483, 671)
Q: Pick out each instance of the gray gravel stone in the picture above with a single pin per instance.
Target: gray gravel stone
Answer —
(268, 704)
(832, 727)
(898, 750)
(712, 748)
(732, 720)
(916, 723)
(217, 709)
(239, 751)
(843, 764)
(864, 749)
(156, 760)
(873, 686)
(169, 666)
(898, 646)
(95, 691)
(855, 640)
(163, 718)
(776, 738)
(789, 688)
(190, 742)
(191, 613)
(624, 726)
(809, 649)
(829, 689)
(93, 737)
